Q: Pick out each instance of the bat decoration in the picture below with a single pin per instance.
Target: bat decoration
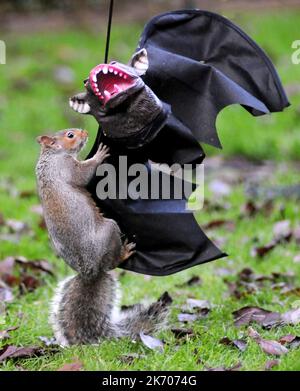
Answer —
(189, 65)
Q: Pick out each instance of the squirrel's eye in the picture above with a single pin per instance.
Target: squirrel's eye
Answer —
(70, 135)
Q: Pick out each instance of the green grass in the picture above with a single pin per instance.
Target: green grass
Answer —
(32, 102)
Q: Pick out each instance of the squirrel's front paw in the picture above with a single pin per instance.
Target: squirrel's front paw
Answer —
(102, 153)
(127, 250)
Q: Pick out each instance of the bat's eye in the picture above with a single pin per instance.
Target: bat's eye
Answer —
(85, 82)
(113, 62)
(70, 134)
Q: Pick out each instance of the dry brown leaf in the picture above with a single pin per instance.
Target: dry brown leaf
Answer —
(73, 366)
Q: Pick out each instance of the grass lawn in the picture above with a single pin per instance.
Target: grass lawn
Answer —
(34, 99)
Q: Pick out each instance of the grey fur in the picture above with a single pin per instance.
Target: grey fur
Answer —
(83, 310)
(84, 314)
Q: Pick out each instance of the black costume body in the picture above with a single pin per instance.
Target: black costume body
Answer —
(199, 63)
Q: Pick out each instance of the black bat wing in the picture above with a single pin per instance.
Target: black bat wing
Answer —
(167, 236)
(200, 62)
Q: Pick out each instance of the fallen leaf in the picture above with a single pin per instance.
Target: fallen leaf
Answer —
(297, 258)
(6, 294)
(248, 314)
(185, 318)
(230, 225)
(2, 220)
(194, 280)
(222, 271)
(129, 358)
(263, 250)
(271, 363)
(36, 264)
(282, 230)
(251, 209)
(219, 188)
(76, 365)
(42, 224)
(287, 339)
(151, 342)
(295, 343)
(292, 316)
(38, 209)
(6, 266)
(17, 227)
(194, 303)
(268, 346)
(240, 344)
(29, 284)
(246, 274)
(27, 193)
(11, 351)
(288, 291)
(235, 367)
(182, 333)
(4, 334)
(237, 291)
(296, 234)
(272, 347)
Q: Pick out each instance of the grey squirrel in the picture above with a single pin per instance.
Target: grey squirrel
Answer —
(84, 308)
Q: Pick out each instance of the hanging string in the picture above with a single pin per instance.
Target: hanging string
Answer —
(111, 7)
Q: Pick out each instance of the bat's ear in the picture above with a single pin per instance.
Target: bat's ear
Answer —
(140, 62)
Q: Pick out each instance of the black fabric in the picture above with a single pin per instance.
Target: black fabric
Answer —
(199, 63)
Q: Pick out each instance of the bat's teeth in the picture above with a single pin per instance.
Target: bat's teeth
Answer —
(94, 78)
(117, 88)
(115, 72)
(110, 70)
(120, 74)
(80, 106)
(105, 70)
(86, 108)
(107, 93)
(75, 106)
(125, 77)
(71, 103)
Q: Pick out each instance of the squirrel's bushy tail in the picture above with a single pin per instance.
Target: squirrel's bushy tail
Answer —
(148, 320)
(83, 312)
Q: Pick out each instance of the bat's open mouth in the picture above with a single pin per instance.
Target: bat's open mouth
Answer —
(107, 81)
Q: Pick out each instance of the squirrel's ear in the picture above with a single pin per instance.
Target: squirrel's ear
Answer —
(46, 140)
(140, 62)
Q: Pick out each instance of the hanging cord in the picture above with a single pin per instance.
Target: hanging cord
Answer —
(111, 7)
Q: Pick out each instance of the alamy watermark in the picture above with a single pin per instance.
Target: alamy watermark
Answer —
(296, 53)
(2, 52)
(152, 182)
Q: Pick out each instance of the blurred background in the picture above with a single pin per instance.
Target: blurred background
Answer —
(252, 186)
(52, 45)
